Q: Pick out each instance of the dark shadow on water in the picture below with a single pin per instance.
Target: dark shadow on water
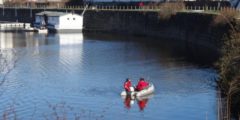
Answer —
(176, 49)
(173, 49)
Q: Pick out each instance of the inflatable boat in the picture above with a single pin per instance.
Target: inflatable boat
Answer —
(149, 90)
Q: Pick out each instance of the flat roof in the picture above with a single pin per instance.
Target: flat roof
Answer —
(52, 13)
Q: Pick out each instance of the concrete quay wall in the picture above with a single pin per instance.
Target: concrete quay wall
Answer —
(195, 29)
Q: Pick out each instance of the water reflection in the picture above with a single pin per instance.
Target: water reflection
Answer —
(5, 42)
(65, 38)
(29, 39)
(7, 54)
(142, 102)
(166, 48)
(128, 102)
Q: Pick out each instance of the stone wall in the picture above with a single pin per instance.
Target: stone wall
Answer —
(195, 30)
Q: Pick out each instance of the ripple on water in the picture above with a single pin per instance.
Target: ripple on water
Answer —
(88, 77)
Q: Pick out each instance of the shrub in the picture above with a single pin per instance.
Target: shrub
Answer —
(169, 9)
(225, 16)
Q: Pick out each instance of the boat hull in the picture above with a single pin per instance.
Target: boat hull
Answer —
(141, 93)
(43, 31)
(146, 91)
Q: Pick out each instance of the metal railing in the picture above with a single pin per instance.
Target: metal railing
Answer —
(123, 8)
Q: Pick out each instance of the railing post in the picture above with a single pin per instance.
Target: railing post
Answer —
(3, 11)
(31, 11)
(16, 11)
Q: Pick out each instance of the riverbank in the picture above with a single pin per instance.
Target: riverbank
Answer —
(228, 66)
(196, 30)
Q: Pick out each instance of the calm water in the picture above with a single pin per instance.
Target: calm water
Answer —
(81, 76)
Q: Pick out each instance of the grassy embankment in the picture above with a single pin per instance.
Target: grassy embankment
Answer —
(229, 63)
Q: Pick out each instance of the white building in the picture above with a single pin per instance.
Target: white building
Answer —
(1, 2)
(59, 21)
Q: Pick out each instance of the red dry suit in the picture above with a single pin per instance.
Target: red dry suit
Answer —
(141, 85)
(127, 85)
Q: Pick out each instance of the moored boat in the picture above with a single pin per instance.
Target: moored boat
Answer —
(44, 31)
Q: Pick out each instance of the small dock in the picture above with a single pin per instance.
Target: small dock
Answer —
(14, 25)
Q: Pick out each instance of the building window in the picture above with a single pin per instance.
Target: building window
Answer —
(73, 18)
(67, 18)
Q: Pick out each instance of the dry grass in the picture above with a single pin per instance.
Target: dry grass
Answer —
(225, 16)
(166, 10)
(230, 73)
(229, 63)
(169, 9)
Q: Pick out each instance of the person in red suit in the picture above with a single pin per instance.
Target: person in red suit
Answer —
(127, 85)
(142, 84)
